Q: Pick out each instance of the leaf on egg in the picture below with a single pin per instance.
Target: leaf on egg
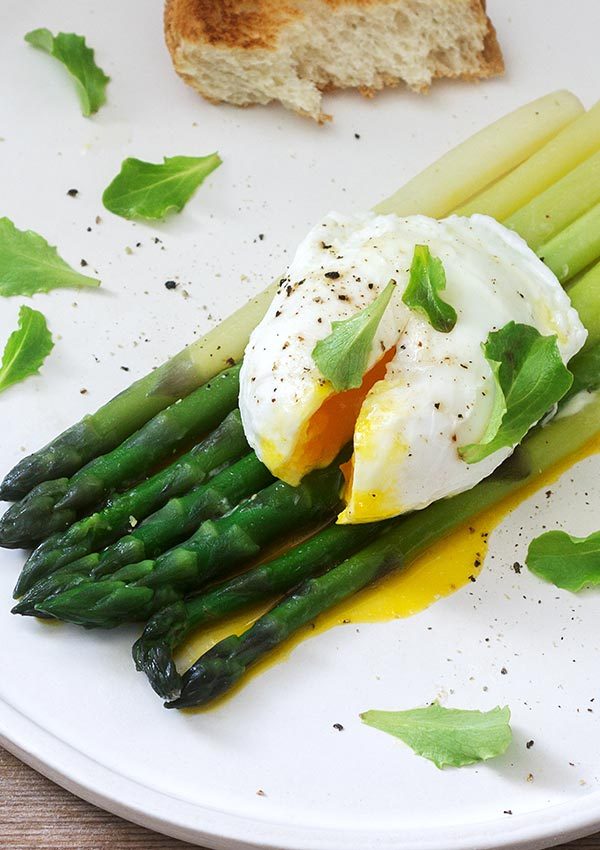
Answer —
(78, 59)
(28, 264)
(585, 367)
(342, 357)
(566, 561)
(152, 190)
(26, 349)
(447, 736)
(530, 377)
(422, 294)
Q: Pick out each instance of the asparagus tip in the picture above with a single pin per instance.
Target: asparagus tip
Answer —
(71, 499)
(212, 675)
(24, 583)
(11, 538)
(20, 608)
(84, 489)
(12, 488)
(29, 575)
(27, 609)
(156, 661)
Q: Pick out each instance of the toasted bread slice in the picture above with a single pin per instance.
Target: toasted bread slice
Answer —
(256, 51)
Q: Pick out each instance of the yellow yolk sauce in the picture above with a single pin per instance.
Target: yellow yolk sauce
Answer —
(442, 569)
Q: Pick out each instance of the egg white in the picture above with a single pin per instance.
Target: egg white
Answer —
(438, 389)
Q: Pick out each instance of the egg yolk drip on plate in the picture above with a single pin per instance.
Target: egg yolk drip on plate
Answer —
(424, 393)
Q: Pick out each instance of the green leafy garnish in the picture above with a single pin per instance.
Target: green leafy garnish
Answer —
(26, 349)
(151, 190)
(28, 264)
(566, 561)
(427, 279)
(447, 736)
(585, 367)
(342, 356)
(78, 59)
(530, 378)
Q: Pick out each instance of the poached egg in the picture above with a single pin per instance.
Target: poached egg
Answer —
(424, 393)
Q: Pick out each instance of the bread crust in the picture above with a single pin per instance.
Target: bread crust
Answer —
(244, 24)
(492, 61)
(252, 25)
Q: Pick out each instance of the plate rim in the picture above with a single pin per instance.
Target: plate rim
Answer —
(130, 799)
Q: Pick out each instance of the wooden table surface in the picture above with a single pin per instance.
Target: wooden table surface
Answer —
(35, 814)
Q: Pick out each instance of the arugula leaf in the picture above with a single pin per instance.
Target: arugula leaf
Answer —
(151, 190)
(422, 294)
(342, 356)
(26, 349)
(566, 561)
(28, 264)
(447, 736)
(585, 367)
(530, 378)
(78, 59)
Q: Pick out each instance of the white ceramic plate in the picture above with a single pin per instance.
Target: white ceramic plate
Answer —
(70, 702)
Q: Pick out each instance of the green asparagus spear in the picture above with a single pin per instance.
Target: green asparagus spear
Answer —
(221, 667)
(169, 627)
(62, 579)
(171, 524)
(217, 546)
(155, 441)
(224, 444)
(73, 575)
(405, 537)
(36, 516)
(99, 433)
(200, 411)
(180, 517)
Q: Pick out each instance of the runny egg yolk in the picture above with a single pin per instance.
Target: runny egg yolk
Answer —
(332, 426)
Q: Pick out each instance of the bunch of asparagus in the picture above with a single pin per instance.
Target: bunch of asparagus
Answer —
(118, 541)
